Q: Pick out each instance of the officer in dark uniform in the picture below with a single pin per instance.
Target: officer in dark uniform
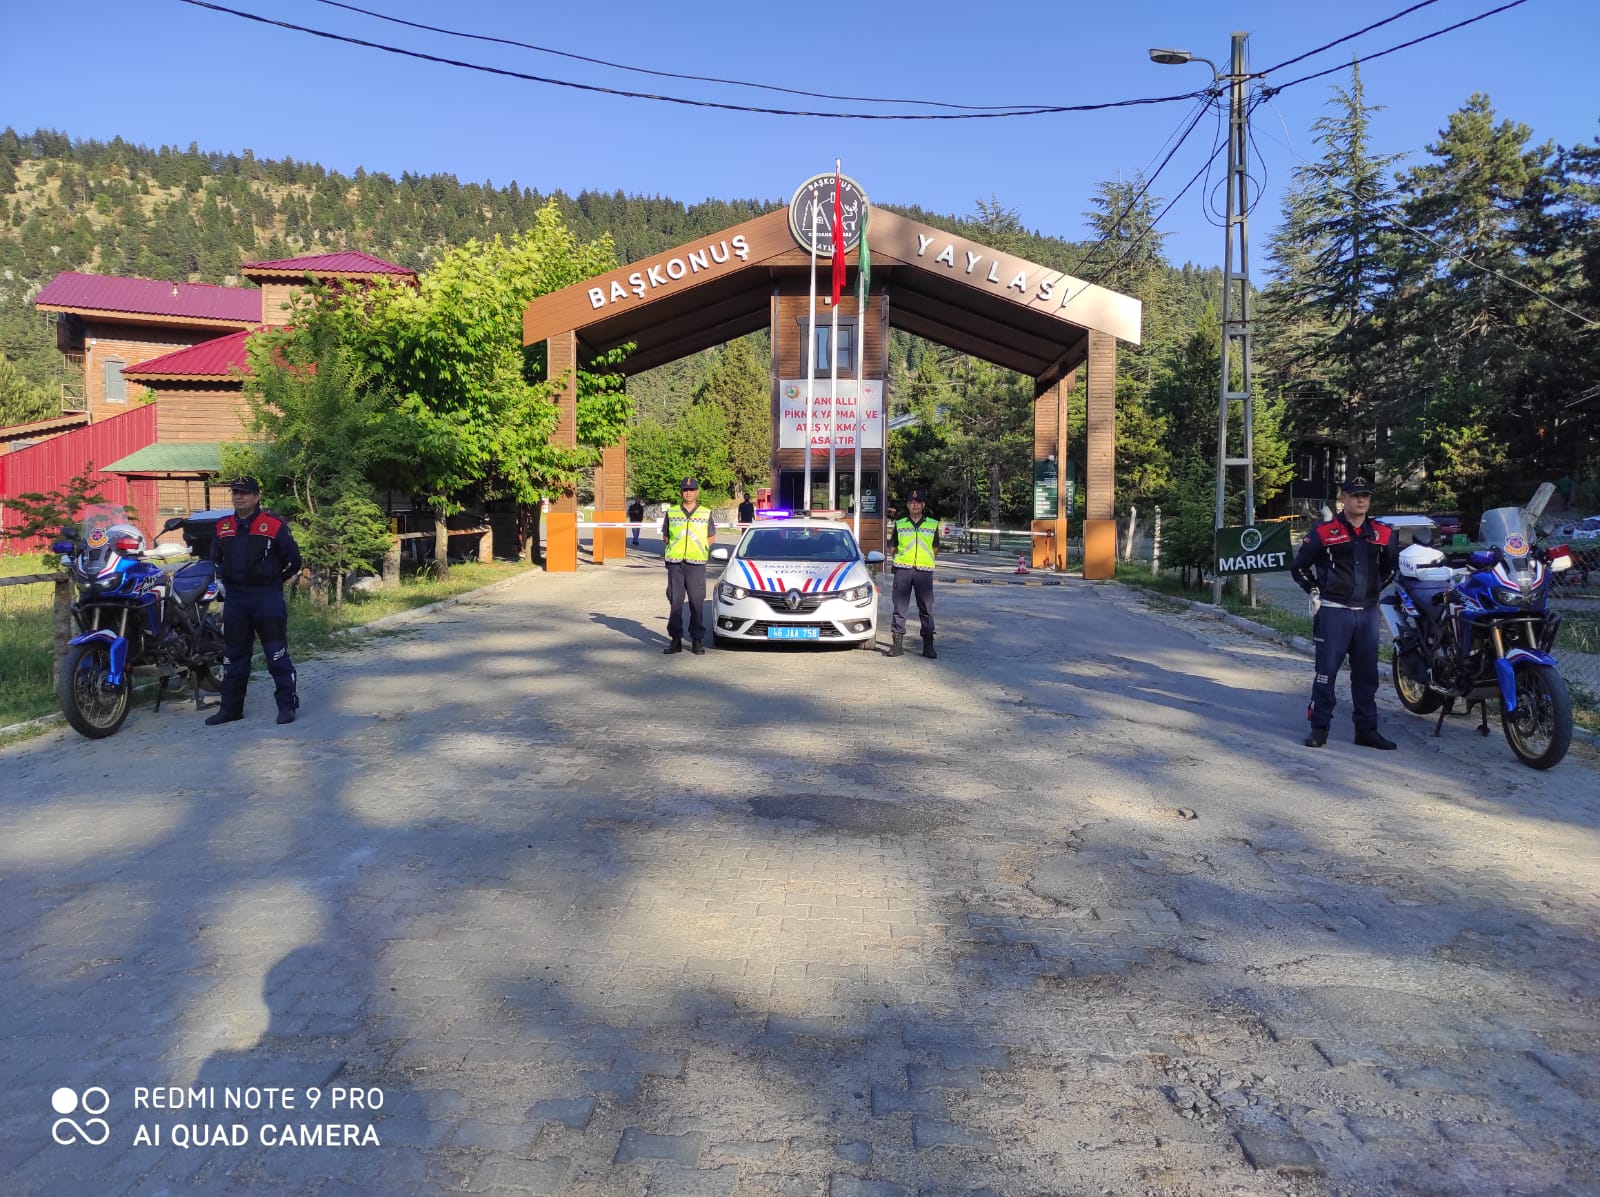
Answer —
(688, 530)
(254, 554)
(1344, 564)
(914, 542)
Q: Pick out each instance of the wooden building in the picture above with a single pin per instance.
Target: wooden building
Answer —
(971, 297)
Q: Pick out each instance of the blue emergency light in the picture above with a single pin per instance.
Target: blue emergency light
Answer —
(773, 513)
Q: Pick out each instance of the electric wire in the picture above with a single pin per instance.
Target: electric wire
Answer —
(1116, 225)
(1041, 110)
(1416, 41)
(621, 66)
(1404, 12)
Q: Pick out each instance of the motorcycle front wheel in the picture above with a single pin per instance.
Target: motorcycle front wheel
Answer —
(93, 706)
(1540, 729)
(1413, 695)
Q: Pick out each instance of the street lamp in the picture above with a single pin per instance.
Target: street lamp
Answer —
(1179, 57)
(1235, 309)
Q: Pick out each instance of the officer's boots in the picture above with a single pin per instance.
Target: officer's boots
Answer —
(898, 648)
(927, 647)
(675, 647)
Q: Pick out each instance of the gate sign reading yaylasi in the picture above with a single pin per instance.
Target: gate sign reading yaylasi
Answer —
(1254, 550)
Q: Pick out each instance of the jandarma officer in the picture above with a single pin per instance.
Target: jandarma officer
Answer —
(688, 530)
(914, 541)
(254, 554)
(1344, 564)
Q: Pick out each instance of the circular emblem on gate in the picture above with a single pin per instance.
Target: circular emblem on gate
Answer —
(1250, 539)
(812, 206)
(791, 600)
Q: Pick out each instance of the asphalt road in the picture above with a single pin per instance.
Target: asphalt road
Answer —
(1069, 910)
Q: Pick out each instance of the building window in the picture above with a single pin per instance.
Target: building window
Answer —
(116, 386)
(847, 347)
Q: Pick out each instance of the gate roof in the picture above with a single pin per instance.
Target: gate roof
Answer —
(1007, 310)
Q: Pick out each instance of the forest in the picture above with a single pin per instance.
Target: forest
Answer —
(1435, 315)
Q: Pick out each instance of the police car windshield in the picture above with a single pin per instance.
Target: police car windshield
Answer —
(798, 544)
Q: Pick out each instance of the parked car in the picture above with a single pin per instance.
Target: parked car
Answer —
(1578, 529)
(800, 580)
(1449, 523)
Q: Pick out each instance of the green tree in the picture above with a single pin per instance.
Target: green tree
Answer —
(1330, 267)
(22, 401)
(324, 421)
(738, 385)
(45, 513)
(660, 457)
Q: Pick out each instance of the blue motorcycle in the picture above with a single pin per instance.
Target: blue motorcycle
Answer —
(131, 614)
(1477, 626)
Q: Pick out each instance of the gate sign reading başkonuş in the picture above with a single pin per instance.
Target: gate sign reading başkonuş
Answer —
(1253, 550)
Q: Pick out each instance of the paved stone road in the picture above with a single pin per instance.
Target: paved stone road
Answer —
(591, 920)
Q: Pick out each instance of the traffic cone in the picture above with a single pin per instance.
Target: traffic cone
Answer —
(1021, 567)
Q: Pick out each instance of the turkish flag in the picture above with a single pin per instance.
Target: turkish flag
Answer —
(838, 244)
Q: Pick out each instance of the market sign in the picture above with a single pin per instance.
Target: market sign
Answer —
(1253, 550)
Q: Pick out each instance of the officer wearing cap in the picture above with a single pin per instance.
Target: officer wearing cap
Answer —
(1344, 564)
(688, 530)
(254, 555)
(914, 543)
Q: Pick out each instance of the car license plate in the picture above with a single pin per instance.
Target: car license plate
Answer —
(794, 633)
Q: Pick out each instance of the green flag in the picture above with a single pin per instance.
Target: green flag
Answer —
(863, 263)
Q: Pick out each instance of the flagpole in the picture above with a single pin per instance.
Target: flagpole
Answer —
(833, 351)
(861, 360)
(811, 350)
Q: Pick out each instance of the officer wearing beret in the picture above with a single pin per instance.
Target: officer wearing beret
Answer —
(254, 554)
(688, 530)
(1344, 564)
(914, 543)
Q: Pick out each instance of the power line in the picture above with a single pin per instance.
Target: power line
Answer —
(1149, 182)
(1404, 12)
(621, 66)
(1041, 110)
(1416, 41)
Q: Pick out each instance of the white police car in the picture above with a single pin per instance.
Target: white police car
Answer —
(801, 579)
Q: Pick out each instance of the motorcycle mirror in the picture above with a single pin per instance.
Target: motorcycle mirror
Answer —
(173, 524)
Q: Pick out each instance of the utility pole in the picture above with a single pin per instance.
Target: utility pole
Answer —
(1236, 303)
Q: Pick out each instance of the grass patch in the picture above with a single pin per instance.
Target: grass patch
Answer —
(27, 681)
(1291, 623)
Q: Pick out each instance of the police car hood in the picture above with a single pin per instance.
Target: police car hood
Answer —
(808, 577)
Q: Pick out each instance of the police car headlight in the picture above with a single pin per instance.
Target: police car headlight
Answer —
(857, 594)
(731, 592)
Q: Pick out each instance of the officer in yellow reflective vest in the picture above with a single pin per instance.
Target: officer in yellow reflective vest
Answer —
(688, 531)
(914, 542)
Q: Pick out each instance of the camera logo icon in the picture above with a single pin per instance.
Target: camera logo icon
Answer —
(93, 1130)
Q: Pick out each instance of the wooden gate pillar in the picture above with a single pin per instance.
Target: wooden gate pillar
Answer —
(1099, 522)
(561, 522)
(611, 504)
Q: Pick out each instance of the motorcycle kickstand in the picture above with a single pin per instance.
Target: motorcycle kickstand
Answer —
(160, 691)
(1447, 709)
(1483, 718)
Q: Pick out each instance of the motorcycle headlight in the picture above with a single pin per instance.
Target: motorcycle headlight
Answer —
(858, 593)
(1508, 596)
(731, 592)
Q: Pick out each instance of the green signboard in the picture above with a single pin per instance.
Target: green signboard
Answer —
(1256, 550)
(1044, 490)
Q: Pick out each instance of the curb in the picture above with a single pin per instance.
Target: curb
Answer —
(45, 722)
(1300, 644)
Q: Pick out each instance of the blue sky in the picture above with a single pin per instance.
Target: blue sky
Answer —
(166, 72)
